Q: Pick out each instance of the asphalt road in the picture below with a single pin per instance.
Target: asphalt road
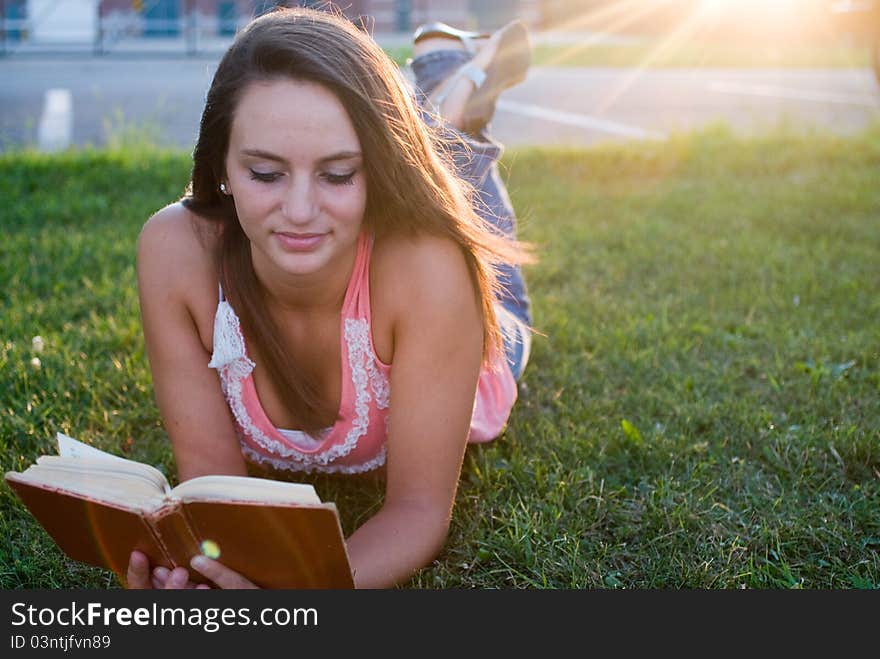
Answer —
(161, 98)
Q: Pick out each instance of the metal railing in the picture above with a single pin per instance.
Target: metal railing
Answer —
(148, 26)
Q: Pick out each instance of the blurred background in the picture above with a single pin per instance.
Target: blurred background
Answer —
(98, 72)
(105, 24)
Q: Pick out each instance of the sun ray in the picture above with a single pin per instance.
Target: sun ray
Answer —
(601, 22)
(681, 34)
(597, 18)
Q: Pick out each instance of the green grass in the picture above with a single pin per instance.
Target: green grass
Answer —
(655, 53)
(660, 54)
(701, 411)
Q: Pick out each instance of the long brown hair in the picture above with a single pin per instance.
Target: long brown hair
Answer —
(410, 184)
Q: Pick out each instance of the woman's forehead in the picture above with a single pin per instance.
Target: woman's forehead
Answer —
(275, 114)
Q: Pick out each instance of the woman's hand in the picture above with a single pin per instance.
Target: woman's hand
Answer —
(161, 578)
(141, 577)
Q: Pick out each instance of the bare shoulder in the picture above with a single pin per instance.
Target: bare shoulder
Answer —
(410, 265)
(178, 231)
(178, 263)
(177, 244)
(411, 272)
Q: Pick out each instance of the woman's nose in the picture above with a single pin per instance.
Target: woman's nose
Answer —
(300, 204)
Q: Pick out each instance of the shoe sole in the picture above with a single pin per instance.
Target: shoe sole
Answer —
(443, 31)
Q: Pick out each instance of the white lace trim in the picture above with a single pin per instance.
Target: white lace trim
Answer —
(234, 366)
(228, 339)
(287, 465)
(378, 382)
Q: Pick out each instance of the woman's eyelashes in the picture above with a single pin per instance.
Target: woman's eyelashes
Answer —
(338, 179)
(265, 177)
(330, 177)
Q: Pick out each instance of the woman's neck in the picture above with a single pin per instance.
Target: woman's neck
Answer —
(313, 293)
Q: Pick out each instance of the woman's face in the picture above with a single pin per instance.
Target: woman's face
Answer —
(295, 171)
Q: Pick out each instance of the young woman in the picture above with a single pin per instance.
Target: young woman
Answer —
(328, 295)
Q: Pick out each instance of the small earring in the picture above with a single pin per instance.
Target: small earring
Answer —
(223, 188)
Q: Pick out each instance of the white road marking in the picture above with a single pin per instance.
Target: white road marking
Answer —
(580, 120)
(56, 123)
(772, 91)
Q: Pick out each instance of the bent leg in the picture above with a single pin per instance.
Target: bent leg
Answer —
(475, 158)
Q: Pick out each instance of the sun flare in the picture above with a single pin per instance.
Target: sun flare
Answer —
(683, 25)
(751, 6)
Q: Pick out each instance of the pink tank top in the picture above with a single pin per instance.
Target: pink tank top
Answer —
(356, 442)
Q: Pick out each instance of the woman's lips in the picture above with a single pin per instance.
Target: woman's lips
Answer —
(299, 242)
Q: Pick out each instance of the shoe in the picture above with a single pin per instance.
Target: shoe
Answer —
(508, 67)
(444, 31)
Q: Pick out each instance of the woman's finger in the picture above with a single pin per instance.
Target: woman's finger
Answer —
(138, 574)
(219, 573)
(178, 578)
(160, 576)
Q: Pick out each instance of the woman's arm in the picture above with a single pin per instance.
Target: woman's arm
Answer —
(177, 284)
(437, 338)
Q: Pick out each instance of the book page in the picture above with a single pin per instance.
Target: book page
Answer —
(68, 447)
(245, 488)
(90, 466)
(112, 487)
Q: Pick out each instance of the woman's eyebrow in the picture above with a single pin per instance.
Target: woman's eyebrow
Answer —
(259, 153)
(341, 155)
(268, 155)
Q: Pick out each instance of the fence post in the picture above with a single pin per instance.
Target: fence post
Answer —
(2, 27)
(191, 36)
(99, 33)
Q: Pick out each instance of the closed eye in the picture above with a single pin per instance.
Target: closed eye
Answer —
(339, 179)
(265, 177)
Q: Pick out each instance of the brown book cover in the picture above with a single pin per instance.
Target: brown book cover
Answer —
(275, 544)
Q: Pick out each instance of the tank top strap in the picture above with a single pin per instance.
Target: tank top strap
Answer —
(357, 297)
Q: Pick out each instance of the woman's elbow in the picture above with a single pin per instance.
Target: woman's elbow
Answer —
(434, 532)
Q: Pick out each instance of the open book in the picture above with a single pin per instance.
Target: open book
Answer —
(98, 507)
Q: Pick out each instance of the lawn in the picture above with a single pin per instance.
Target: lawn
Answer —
(656, 53)
(701, 409)
(669, 54)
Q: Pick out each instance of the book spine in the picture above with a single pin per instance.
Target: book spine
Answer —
(176, 535)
